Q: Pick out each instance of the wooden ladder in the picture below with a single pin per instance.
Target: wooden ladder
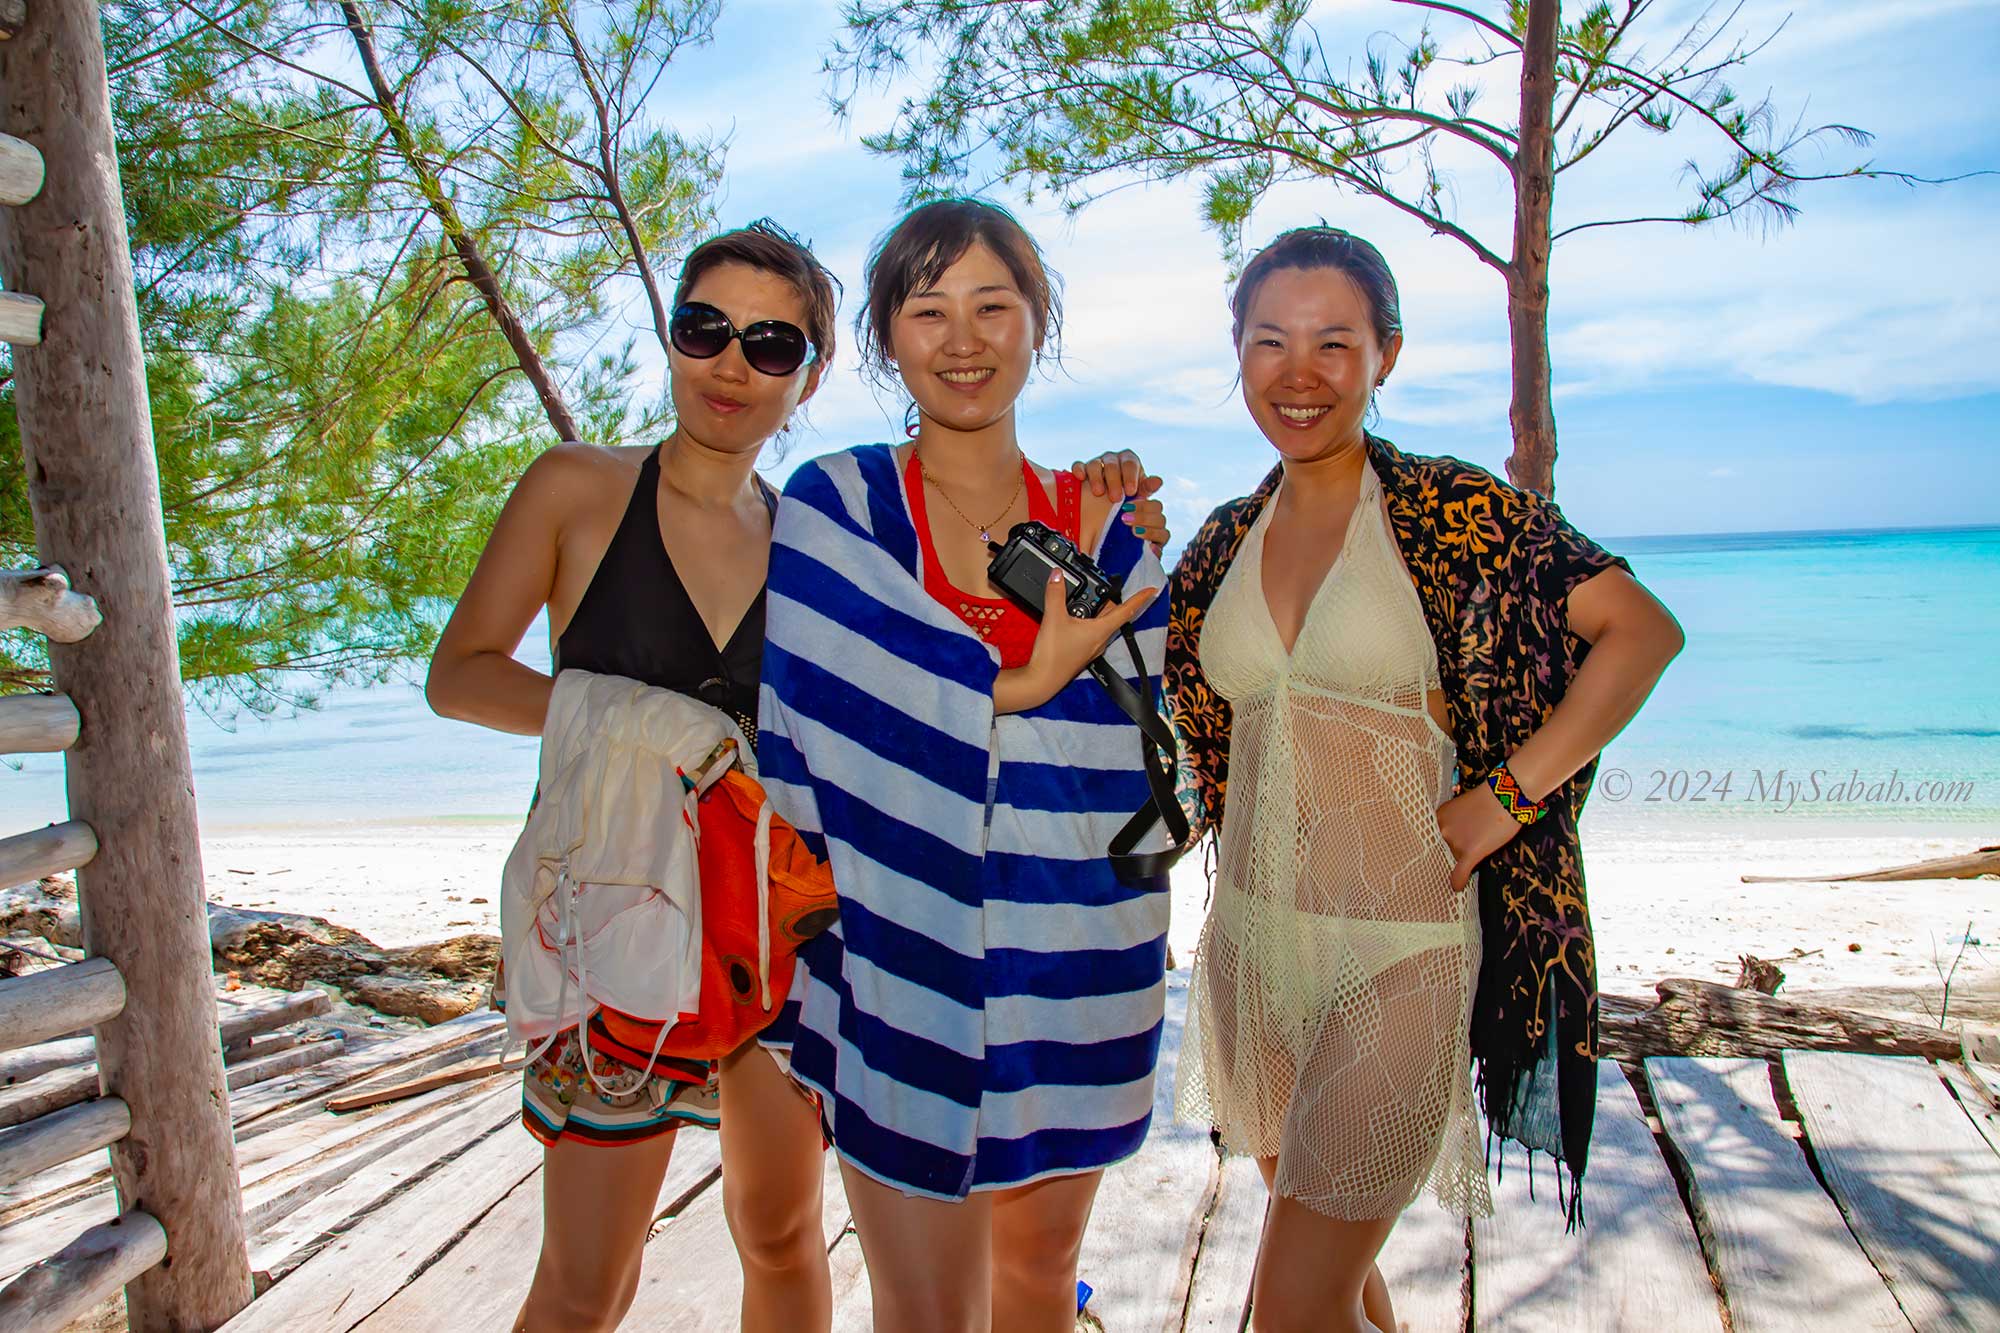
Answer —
(145, 988)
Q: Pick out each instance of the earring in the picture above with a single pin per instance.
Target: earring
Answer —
(913, 421)
(1384, 380)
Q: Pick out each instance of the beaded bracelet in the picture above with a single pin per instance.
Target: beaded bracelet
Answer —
(1510, 795)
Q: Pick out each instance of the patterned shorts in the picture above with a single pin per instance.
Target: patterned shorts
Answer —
(558, 1101)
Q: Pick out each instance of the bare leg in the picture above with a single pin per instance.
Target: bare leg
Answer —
(929, 1262)
(597, 1203)
(1313, 1273)
(771, 1165)
(1374, 1291)
(1037, 1235)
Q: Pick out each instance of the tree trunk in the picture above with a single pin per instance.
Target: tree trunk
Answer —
(483, 278)
(1532, 414)
(93, 489)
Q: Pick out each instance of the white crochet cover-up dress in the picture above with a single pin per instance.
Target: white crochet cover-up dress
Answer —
(1328, 1020)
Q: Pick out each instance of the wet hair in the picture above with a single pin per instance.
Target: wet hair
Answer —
(769, 248)
(1323, 247)
(931, 238)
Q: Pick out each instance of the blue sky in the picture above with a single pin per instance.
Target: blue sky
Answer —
(1839, 373)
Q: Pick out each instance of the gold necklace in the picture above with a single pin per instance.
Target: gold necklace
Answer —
(985, 530)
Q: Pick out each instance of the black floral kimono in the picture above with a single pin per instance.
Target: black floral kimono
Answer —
(1493, 566)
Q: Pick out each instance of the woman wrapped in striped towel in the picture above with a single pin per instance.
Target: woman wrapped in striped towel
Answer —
(981, 1027)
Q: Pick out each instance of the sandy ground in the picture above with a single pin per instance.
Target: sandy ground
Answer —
(1666, 903)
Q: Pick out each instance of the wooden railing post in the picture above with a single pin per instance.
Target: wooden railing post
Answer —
(93, 488)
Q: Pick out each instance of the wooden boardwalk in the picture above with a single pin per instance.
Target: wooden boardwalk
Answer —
(1823, 1192)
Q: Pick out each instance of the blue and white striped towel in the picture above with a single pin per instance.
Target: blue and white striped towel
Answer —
(987, 1011)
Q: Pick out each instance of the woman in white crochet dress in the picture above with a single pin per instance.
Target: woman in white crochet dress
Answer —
(1328, 1022)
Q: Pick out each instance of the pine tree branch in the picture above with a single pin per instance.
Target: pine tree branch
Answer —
(477, 270)
(607, 174)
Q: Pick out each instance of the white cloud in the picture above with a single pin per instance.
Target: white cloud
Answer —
(1879, 294)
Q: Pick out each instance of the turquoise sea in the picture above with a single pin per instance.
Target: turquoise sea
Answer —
(1829, 676)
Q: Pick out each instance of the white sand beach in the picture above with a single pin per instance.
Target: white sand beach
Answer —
(1663, 904)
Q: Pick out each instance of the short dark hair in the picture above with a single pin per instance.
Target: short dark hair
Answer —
(930, 239)
(1323, 247)
(769, 248)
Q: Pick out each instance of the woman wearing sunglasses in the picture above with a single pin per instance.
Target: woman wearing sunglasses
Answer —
(650, 563)
(981, 1024)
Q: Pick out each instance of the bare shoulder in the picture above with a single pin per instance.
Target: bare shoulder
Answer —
(573, 479)
(572, 463)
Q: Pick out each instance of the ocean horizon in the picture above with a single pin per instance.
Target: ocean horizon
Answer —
(1831, 677)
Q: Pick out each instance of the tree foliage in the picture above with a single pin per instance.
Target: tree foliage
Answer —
(1081, 96)
(337, 411)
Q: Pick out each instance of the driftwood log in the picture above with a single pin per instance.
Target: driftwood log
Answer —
(288, 950)
(1701, 1018)
(1971, 865)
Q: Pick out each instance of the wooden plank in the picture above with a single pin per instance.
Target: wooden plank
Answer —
(263, 1044)
(17, 1067)
(87, 1271)
(310, 1158)
(1146, 1224)
(59, 999)
(280, 1063)
(311, 1138)
(465, 1073)
(266, 1010)
(21, 170)
(446, 1043)
(1427, 1265)
(1636, 1264)
(1919, 1187)
(64, 1136)
(1219, 1296)
(481, 1281)
(1776, 1243)
(37, 854)
(26, 1241)
(37, 723)
(41, 599)
(1975, 1101)
(21, 323)
(279, 1171)
(363, 1267)
(48, 1094)
(298, 1231)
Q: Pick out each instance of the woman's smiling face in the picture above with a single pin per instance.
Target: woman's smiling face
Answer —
(965, 344)
(1310, 360)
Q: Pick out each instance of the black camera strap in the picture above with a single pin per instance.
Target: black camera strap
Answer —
(1161, 754)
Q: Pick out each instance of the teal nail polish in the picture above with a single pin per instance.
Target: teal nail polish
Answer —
(1127, 507)
(1140, 531)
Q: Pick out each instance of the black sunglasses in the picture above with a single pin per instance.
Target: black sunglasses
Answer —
(771, 346)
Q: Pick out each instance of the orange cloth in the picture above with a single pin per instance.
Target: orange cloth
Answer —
(801, 906)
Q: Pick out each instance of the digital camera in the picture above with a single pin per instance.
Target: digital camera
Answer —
(1021, 568)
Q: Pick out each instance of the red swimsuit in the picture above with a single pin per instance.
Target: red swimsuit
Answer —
(998, 621)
